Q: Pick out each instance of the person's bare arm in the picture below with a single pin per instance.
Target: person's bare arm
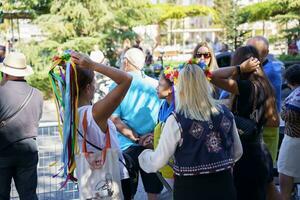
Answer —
(103, 109)
(124, 129)
(222, 77)
(227, 84)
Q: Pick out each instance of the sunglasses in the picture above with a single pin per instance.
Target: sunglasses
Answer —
(205, 55)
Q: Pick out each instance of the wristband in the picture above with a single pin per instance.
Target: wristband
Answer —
(238, 68)
(137, 141)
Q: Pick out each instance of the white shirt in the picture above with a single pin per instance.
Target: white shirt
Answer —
(298, 44)
(98, 138)
(151, 161)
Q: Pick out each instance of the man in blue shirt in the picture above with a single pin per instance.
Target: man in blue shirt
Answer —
(136, 116)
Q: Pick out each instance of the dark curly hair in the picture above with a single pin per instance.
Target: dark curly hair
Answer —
(292, 75)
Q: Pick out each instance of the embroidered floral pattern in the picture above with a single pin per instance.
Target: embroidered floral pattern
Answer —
(213, 142)
(196, 130)
(203, 169)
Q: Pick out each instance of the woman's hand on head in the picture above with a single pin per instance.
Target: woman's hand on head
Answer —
(81, 60)
(250, 65)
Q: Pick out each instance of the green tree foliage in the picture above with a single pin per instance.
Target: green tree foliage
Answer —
(37, 6)
(227, 11)
(109, 21)
(282, 11)
(266, 10)
(172, 11)
(81, 18)
(94, 21)
(80, 24)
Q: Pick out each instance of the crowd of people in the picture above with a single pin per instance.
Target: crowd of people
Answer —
(294, 46)
(206, 132)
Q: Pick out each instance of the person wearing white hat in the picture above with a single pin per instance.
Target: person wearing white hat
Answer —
(136, 117)
(15, 65)
(97, 55)
(102, 82)
(20, 111)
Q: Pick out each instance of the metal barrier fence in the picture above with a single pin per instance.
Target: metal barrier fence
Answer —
(49, 152)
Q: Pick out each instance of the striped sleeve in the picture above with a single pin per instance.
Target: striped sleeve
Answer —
(290, 116)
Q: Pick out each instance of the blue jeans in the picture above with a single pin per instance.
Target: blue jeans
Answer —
(22, 167)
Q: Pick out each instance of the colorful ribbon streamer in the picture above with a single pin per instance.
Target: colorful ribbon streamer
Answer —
(63, 79)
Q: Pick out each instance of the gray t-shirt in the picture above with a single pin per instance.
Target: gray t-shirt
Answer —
(25, 125)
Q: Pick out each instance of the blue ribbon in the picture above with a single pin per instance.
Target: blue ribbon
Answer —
(67, 119)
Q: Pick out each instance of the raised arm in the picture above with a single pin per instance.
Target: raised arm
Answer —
(222, 77)
(103, 109)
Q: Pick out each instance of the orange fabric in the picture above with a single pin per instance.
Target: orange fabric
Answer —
(107, 142)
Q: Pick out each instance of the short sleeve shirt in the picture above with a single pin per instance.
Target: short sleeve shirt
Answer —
(139, 108)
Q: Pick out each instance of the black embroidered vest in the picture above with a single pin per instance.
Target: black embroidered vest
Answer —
(205, 147)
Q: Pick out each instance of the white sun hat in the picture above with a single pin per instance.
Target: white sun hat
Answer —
(97, 56)
(14, 64)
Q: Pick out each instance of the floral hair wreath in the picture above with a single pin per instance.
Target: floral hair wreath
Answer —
(171, 73)
(201, 64)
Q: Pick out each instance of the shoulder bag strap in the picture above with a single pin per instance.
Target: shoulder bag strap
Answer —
(23, 105)
(81, 135)
(84, 126)
(84, 135)
(98, 148)
(107, 142)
